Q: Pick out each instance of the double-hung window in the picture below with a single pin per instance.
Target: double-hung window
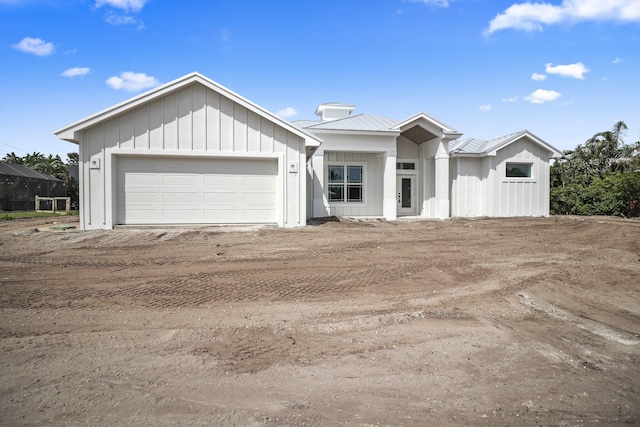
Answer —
(345, 183)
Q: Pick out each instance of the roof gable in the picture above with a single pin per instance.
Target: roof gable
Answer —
(481, 147)
(71, 131)
(428, 122)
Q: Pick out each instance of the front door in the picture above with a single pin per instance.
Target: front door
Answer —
(406, 190)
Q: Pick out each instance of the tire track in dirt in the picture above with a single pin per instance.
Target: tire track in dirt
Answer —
(209, 288)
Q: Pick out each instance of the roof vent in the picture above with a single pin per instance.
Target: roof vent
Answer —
(334, 111)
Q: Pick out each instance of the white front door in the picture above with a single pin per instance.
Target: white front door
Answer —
(406, 194)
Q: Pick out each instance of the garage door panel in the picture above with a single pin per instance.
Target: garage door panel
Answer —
(220, 180)
(165, 190)
(259, 199)
(176, 179)
(141, 179)
(142, 215)
(181, 197)
(221, 215)
(180, 215)
(142, 197)
(220, 197)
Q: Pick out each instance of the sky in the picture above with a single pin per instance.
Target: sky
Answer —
(562, 69)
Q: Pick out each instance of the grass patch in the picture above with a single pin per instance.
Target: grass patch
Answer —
(8, 216)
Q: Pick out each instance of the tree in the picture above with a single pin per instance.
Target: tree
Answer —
(13, 158)
(599, 177)
(73, 158)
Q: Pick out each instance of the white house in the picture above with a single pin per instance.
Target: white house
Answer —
(194, 152)
(373, 166)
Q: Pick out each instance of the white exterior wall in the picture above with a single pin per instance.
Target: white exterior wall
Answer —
(192, 121)
(375, 152)
(373, 183)
(468, 187)
(407, 149)
(518, 196)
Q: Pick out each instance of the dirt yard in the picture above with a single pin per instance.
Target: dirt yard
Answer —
(460, 322)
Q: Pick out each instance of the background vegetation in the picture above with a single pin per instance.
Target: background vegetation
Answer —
(599, 177)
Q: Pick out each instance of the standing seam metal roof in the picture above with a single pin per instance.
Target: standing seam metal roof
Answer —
(480, 146)
(360, 122)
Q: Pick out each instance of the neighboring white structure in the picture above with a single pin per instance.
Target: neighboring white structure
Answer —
(190, 151)
(194, 152)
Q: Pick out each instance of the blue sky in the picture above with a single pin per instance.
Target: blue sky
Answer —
(563, 69)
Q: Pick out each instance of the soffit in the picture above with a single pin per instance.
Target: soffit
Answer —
(418, 134)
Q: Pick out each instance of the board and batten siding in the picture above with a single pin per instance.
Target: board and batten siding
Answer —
(191, 121)
(468, 187)
(507, 197)
(373, 183)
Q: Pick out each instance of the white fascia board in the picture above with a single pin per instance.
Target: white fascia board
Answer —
(456, 154)
(69, 132)
(555, 153)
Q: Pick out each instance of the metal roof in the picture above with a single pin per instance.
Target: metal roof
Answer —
(480, 146)
(469, 145)
(360, 122)
(12, 169)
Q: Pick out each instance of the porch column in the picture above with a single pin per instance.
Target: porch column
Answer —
(389, 186)
(320, 208)
(442, 183)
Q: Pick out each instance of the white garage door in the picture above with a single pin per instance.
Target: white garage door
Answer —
(155, 190)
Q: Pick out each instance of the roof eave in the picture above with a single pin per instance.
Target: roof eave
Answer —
(381, 132)
(458, 154)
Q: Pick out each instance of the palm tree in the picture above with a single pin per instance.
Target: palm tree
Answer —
(13, 158)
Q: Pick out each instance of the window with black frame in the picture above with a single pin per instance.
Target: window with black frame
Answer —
(518, 170)
(345, 183)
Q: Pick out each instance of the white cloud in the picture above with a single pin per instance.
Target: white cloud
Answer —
(534, 16)
(116, 20)
(485, 108)
(538, 77)
(510, 100)
(436, 3)
(617, 61)
(576, 70)
(541, 96)
(35, 46)
(126, 5)
(75, 72)
(132, 82)
(287, 113)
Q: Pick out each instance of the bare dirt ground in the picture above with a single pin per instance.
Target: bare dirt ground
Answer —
(461, 322)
